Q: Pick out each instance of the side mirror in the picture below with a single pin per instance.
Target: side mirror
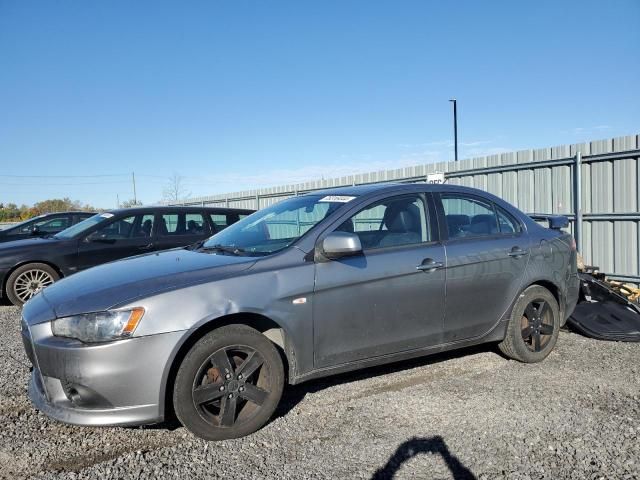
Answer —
(341, 244)
(35, 230)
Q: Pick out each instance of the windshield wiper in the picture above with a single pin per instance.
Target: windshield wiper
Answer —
(224, 248)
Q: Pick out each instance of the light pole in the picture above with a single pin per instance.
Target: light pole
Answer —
(455, 127)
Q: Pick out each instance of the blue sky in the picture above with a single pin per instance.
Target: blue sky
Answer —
(236, 94)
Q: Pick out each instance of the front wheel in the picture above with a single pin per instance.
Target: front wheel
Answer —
(27, 280)
(533, 327)
(229, 383)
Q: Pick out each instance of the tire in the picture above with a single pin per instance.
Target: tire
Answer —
(533, 327)
(27, 280)
(207, 387)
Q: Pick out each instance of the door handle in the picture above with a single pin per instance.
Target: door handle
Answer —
(517, 252)
(149, 246)
(429, 265)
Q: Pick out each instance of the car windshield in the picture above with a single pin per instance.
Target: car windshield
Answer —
(82, 226)
(275, 227)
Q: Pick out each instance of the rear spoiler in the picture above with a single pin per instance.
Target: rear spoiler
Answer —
(556, 222)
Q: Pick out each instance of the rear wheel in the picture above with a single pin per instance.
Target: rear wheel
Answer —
(27, 280)
(229, 383)
(533, 327)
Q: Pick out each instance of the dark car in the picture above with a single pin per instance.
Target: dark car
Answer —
(27, 266)
(315, 285)
(43, 225)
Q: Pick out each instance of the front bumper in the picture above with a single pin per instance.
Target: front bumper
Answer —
(116, 383)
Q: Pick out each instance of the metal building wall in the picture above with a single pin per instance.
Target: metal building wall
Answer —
(536, 181)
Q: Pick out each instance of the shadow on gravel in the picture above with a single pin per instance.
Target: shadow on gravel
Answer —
(294, 394)
(416, 446)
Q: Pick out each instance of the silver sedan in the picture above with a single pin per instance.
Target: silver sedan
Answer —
(312, 286)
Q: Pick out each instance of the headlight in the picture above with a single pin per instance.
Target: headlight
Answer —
(99, 326)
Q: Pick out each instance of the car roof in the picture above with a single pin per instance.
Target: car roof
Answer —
(69, 212)
(359, 190)
(165, 209)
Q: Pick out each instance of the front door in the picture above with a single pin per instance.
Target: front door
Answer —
(122, 237)
(390, 298)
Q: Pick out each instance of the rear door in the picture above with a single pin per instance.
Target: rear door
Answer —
(487, 250)
(177, 229)
(122, 237)
(389, 299)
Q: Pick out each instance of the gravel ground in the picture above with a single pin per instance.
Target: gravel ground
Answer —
(468, 414)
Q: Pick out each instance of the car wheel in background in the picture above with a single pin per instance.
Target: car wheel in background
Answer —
(533, 327)
(229, 384)
(27, 280)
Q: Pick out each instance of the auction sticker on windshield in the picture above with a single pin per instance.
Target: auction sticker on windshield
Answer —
(106, 215)
(337, 198)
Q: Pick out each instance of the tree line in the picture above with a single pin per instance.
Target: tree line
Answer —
(10, 212)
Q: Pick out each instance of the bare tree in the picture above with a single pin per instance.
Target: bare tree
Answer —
(131, 203)
(175, 189)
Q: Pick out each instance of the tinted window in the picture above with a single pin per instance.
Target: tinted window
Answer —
(120, 229)
(175, 224)
(219, 221)
(469, 217)
(53, 225)
(391, 222)
(144, 227)
(48, 224)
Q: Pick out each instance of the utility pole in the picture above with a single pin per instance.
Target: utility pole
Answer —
(133, 177)
(455, 127)
(117, 200)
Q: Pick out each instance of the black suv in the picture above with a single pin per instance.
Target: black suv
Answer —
(43, 225)
(28, 266)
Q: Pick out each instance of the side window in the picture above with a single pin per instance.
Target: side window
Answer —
(168, 224)
(117, 230)
(391, 222)
(506, 223)
(176, 224)
(25, 228)
(194, 223)
(469, 216)
(52, 225)
(219, 221)
(144, 227)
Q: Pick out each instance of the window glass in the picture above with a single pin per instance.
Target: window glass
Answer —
(391, 222)
(144, 227)
(168, 224)
(175, 224)
(53, 225)
(294, 223)
(278, 226)
(122, 228)
(44, 225)
(506, 222)
(469, 217)
(194, 223)
(219, 221)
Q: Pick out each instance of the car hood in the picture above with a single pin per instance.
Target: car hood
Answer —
(117, 283)
(27, 244)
